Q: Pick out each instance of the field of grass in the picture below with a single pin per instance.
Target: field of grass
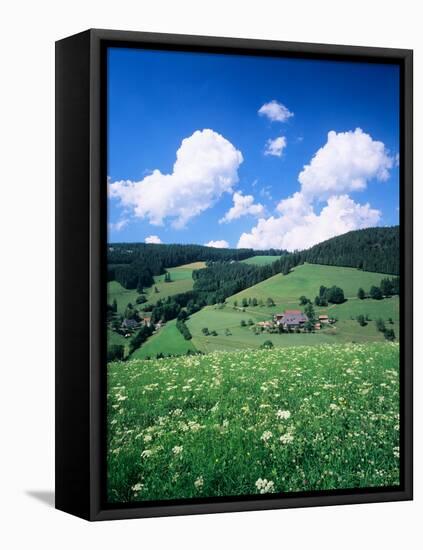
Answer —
(167, 340)
(272, 421)
(191, 266)
(305, 280)
(260, 260)
(222, 319)
(285, 291)
(181, 281)
(113, 338)
(123, 296)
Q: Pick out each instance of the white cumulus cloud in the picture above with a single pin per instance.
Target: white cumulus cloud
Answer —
(301, 228)
(275, 111)
(119, 225)
(275, 147)
(243, 205)
(206, 166)
(346, 162)
(153, 239)
(217, 244)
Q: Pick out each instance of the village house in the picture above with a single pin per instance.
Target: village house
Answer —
(291, 319)
(324, 319)
(146, 321)
(129, 324)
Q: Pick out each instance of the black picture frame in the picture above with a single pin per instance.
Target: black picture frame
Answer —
(81, 233)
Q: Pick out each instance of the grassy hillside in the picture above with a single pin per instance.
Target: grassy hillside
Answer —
(260, 260)
(285, 291)
(222, 319)
(306, 418)
(306, 280)
(123, 296)
(167, 340)
(181, 281)
(113, 338)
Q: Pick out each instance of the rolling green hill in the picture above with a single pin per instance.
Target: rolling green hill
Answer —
(181, 281)
(305, 280)
(260, 260)
(123, 296)
(285, 291)
(167, 340)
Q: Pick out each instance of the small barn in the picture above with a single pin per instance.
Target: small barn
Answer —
(323, 319)
(265, 324)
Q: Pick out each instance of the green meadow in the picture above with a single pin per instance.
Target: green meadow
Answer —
(243, 423)
(305, 280)
(260, 260)
(285, 291)
(181, 281)
(115, 339)
(123, 296)
(167, 340)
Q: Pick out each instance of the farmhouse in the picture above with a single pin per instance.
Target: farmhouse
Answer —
(129, 324)
(291, 318)
(323, 319)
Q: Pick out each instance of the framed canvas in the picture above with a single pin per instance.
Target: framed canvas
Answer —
(234, 274)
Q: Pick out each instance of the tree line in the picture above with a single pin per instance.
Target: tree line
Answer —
(134, 264)
(221, 279)
(374, 249)
(388, 287)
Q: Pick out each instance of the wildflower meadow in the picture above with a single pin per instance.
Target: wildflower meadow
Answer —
(254, 422)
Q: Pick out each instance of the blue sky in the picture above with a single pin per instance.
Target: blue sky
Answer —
(157, 99)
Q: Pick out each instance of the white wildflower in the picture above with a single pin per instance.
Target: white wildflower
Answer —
(199, 482)
(137, 487)
(264, 486)
(266, 436)
(177, 449)
(283, 415)
(286, 438)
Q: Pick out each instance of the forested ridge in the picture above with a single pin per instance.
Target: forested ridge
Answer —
(133, 265)
(220, 280)
(374, 249)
